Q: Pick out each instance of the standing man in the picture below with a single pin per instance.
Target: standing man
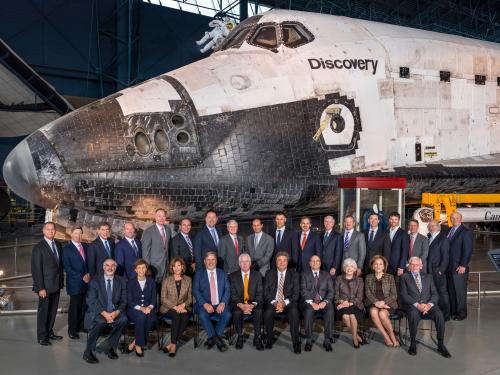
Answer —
(332, 252)
(182, 246)
(306, 244)
(400, 243)
(353, 244)
(461, 245)
(419, 245)
(74, 257)
(230, 247)
(102, 248)
(155, 242)
(437, 264)
(207, 239)
(47, 274)
(283, 238)
(247, 299)
(377, 242)
(260, 246)
(127, 251)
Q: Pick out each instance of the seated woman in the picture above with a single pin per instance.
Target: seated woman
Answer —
(141, 301)
(348, 299)
(381, 298)
(176, 301)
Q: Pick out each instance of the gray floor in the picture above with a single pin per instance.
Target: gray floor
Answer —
(473, 343)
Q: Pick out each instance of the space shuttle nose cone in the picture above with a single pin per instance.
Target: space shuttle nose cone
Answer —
(20, 174)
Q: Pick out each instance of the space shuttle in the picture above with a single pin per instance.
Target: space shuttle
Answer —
(290, 102)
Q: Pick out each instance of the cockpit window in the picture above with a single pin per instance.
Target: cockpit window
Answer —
(295, 35)
(237, 40)
(265, 37)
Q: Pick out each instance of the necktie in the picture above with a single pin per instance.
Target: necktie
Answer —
(417, 281)
(190, 245)
(245, 288)
(372, 235)
(82, 253)
(54, 251)
(325, 238)
(346, 240)
(214, 236)
(109, 294)
(134, 246)
(304, 239)
(108, 250)
(452, 232)
(411, 245)
(163, 235)
(236, 246)
(213, 290)
(256, 238)
(281, 284)
(317, 298)
(278, 238)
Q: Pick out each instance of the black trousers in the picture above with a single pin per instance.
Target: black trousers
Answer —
(457, 287)
(444, 298)
(179, 324)
(46, 315)
(309, 316)
(76, 313)
(238, 318)
(414, 317)
(292, 313)
(114, 337)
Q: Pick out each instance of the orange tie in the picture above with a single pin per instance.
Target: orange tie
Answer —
(245, 288)
(303, 243)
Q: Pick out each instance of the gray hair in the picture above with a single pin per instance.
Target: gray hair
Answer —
(243, 256)
(107, 260)
(349, 262)
(414, 259)
(231, 222)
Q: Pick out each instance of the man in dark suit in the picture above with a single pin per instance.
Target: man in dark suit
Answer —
(332, 252)
(230, 247)
(400, 243)
(419, 244)
(247, 299)
(207, 239)
(281, 293)
(353, 244)
(317, 296)
(437, 264)
(212, 294)
(461, 246)
(377, 241)
(48, 280)
(102, 248)
(74, 256)
(260, 246)
(420, 298)
(306, 244)
(283, 238)
(106, 303)
(127, 251)
(155, 242)
(182, 246)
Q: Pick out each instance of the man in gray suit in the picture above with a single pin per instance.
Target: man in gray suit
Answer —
(260, 245)
(230, 247)
(155, 243)
(419, 244)
(353, 243)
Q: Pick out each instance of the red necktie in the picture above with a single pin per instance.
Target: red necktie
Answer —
(303, 243)
(82, 253)
(236, 246)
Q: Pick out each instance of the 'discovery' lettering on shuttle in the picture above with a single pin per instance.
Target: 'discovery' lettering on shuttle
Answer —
(348, 64)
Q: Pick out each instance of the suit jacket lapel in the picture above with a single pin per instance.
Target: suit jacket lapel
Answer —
(51, 253)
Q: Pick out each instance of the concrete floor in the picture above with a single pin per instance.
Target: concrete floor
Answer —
(473, 344)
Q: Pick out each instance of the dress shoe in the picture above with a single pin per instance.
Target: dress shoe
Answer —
(308, 346)
(89, 356)
(55, 337)
(112, 354)
(363, 341)
(327, 346)
(210, 343)
(128, 350)
(45, 342)
(443, 351)
(258, 344)
(356, 346)
(239, 343)
(74, 336)
(220, 344)
(141, 354)
(413, 349)
(296, 348)
(459, 317)
(172, 353)
(269, 344)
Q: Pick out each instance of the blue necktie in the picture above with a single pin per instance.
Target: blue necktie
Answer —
(135, 248)
(372, 234)
(109, 293)
(278, 239)
(452, 232)
(54, 251)
(346, 240)
(214, 236)
(108, 250)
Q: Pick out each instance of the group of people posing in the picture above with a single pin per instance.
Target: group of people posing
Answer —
(224, 278)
